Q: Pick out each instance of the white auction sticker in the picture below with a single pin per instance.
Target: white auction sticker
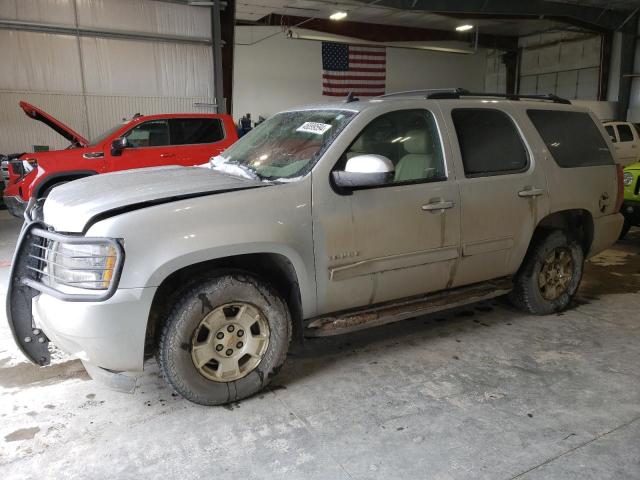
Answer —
(313, 127)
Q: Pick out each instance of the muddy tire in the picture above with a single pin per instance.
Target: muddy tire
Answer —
(225, 339)
(550, 275)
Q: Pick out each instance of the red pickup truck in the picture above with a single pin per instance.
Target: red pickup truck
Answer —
(143, 141)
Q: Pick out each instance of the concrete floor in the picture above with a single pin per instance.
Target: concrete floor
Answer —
(483, 392)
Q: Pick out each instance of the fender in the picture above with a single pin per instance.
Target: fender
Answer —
(48, 179)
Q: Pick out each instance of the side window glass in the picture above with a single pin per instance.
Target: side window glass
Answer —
(612, 134)
(625, 133)
(149, 134)
(409, 138)
(489, 142)
(190, 131)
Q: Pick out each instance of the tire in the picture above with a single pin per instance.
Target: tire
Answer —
(538, 296)
(213, 302)
(626, 226)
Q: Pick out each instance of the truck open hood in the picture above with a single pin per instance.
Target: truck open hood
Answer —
(42, 116)
(70, 207)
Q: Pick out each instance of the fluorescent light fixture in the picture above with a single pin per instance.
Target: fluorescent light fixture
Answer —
(464, 28)
(338, 16)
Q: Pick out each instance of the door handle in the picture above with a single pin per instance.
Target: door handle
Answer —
(167, 155)
(440, 205)
(530, 192)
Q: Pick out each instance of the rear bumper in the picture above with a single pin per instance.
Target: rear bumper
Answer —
(606, 231)
(15, 205)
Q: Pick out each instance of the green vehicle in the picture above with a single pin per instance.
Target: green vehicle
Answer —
(631, 206)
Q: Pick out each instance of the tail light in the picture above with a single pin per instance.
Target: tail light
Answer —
(620, 198)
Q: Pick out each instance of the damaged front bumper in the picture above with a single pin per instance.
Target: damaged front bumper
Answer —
(107, 336)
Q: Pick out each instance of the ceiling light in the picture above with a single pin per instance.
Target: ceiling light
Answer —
(338, 15)
(464, 28)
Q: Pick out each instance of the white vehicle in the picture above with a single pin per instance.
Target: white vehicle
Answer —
(626, 142)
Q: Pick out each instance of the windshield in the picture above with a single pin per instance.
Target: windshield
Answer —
(102, 137)
(286, 145)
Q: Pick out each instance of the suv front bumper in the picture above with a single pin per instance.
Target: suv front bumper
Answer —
(15, 205)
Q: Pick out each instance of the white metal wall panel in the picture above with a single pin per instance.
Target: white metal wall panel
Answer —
(128, 67)
(59, 12)
(567, 84)
(588, 84)
(39, 62)
(495, 74)
(146, 16)
(18, 133)
(529, 85)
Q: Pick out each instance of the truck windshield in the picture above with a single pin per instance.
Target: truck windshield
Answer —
(286, 145)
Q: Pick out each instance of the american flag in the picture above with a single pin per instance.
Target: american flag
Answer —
(353, 68)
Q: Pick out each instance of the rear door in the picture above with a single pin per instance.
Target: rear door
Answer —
(196, 140)
(503, 189)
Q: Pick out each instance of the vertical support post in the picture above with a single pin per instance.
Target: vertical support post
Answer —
(228, 21)
(606, 43)
(216, 47)
(629, 36)
(510, 61)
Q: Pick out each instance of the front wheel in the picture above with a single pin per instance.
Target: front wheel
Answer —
(224, 340)
(550, 274)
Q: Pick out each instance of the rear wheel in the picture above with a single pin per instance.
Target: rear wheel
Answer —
(224, 339)
(550, 275)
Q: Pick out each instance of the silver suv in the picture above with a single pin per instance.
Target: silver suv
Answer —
(323, 220)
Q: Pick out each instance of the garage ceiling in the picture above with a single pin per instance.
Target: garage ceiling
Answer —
(375, 12)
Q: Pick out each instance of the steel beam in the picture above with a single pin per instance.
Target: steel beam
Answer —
(95, 32)
(585, 16)
(216, 36)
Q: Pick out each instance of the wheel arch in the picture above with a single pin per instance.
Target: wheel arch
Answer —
(54, 178)
(577, 222)
(274, 268)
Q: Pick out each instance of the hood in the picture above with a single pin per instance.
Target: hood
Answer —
(71, 206)
(42, 116)
(633, 166)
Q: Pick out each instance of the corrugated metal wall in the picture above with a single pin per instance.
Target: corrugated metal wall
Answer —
(562, 63)
(89, 82)
(495, 75)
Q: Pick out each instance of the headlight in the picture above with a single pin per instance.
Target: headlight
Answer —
(627, 179)
(89, 266)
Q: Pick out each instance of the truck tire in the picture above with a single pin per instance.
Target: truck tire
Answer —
(225, 339)
(550, 274)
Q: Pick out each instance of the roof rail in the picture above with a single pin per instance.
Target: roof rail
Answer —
(426, 92)
(461, 92)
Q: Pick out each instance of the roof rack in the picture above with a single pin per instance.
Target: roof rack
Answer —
(456, 93)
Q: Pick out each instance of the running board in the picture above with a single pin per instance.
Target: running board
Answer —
(339, 323)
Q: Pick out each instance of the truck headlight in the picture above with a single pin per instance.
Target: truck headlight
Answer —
(88, 266)
(627, 179)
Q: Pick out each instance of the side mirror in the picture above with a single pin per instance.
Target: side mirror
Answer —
(364, 171)
(613, 139)
(118, 145)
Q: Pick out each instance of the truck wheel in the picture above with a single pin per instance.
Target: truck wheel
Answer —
(549, 276)
(626, 226)
(224, 339)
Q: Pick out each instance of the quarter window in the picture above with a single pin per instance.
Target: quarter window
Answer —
(625, 133)
(154, 133)
(409, 138)
(489, 142)
(611, 133)
(572, 138)
(189, 131)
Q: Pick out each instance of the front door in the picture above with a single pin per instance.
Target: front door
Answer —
(148, 146)
(503, 191)
(395, 240)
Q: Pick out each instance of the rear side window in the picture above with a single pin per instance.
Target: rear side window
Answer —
(189, 131)
(611, 133)
(625, 133)
(573, 138)
(489, 142)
